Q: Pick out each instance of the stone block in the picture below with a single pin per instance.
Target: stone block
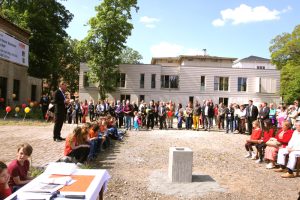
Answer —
(180, 164)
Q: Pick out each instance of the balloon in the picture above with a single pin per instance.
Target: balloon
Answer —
(14, 96)
(31, 104)
(27, 110)
(23, 105)
(17, 109)
(1, 99)
(8, 109)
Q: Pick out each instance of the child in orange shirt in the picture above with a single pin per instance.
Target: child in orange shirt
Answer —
(94, 141)
(5, 190)
(254, 139)
(77, 144)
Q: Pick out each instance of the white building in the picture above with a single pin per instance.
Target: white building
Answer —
(189, 78)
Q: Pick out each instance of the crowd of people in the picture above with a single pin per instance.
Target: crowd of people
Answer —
(232, 118)
(275, 146)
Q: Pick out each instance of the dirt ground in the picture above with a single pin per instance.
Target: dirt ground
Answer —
(143, 157)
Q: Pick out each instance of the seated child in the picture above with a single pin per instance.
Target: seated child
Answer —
(94, 141)
(104, 133)
(77, 144)
(254, 138)
(5, 190)
(18, 168)
(112, 130)
(267, 134)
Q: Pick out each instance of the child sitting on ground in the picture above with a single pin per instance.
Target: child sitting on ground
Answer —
(18, 168)
(5, 190)
(77, 145)
(103, 133)
(254, 138)
(94, 141)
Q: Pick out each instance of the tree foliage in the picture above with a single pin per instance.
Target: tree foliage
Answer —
(47, 21)
(285, 54)
(130, 56)
(106, 40)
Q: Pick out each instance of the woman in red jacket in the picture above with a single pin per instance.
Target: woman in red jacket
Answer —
(267, 134)
(283, 136)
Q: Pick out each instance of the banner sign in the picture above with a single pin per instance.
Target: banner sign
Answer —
(13, 50)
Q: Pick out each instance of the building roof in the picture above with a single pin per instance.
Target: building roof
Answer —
(23, 31)
(253, 59)
(179, 58)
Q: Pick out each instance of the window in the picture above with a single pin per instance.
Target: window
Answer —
(16, 89)
(85, 80)
(223, 100)
(202, 83)
(142, 80)
(242, 84)
(142, 98)
(191, 99)
(124, 97)
(168, 81)
(33, 92)
(121, 80)
(3, 87)
(153, 81)
(267, 85)
(260, 67)
(221, 83)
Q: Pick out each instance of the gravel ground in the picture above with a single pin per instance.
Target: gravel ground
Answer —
(133, 162)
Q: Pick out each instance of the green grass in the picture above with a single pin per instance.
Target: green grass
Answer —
(35, 171)
(20, 122)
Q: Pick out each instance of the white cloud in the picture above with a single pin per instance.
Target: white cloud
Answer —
(166, 49)
(218, 22)
(149, 22)
(246, 14)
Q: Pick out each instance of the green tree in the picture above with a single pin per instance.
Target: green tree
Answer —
(130, 56)
(285, 54)
(109, 31)
(47, 21)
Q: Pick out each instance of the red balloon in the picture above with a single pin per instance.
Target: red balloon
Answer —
(1, 99)
(8, 109)
(24, 105)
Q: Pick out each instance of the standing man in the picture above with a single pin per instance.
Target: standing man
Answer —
(59, 111)
(252, 113)
(263, 114)
(162, 113)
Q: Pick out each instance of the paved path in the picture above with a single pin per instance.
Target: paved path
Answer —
(40, 137)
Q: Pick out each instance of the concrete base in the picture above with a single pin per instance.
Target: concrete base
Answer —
(180, 164)
(200, 186)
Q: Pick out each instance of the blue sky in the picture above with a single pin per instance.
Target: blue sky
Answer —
(230, 28)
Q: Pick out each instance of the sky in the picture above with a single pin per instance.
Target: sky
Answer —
(166, 28)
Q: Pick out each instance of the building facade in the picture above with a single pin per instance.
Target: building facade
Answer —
(15, 84)
(189, 78)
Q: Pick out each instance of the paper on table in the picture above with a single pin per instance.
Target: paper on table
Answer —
(63, 180)
(43, 188)
(61, 168)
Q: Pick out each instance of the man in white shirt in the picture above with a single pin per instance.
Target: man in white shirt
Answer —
(293, 150)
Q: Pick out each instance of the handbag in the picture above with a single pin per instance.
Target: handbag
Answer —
(273, 142)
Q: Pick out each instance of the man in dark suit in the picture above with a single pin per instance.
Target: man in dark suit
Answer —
(263, 114)
(162, 113)
(60, 102)
(252, 113)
